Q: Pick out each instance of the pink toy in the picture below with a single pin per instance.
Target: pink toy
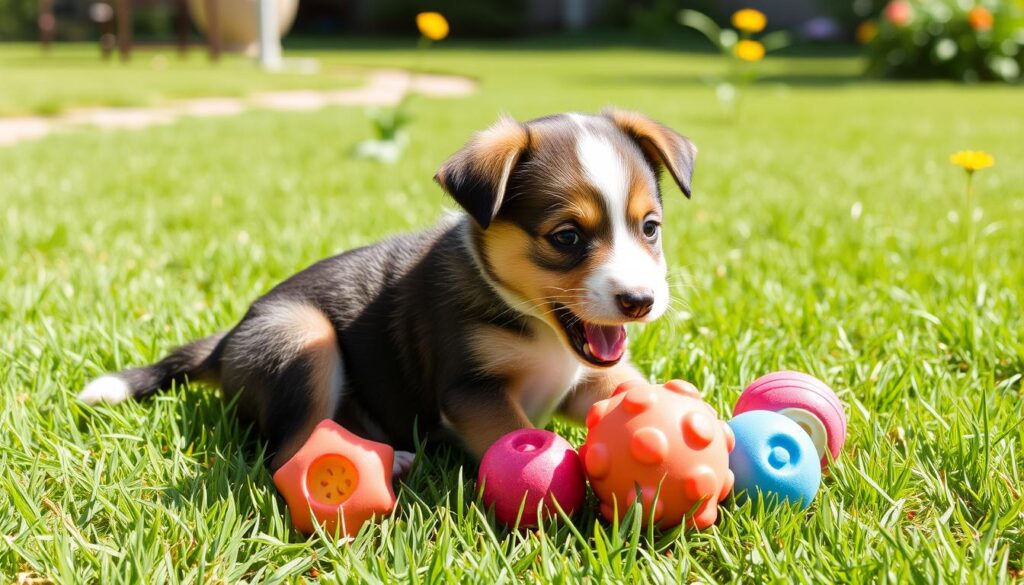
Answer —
(805, 399)
(531, 464)
(649, 437)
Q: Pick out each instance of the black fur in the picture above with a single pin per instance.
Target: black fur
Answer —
(393, 305)
(195, 360)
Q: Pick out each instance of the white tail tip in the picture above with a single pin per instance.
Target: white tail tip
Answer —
(109, 389)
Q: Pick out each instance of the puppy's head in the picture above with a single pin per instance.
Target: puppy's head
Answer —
(568, 215)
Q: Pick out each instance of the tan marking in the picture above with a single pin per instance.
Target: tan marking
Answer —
(479, 423)
(491, 153)
(498, 351)
(657, 141)
(304, 332)
(305, 325)
(641, 202)
(539, 368)
(494, 144)
(581, 205)
(598, 385)
(642, 205)
(507, 247)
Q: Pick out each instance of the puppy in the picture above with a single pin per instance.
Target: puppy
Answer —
(489, 322)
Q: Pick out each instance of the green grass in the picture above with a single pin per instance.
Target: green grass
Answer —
(76, 76)
(825, 234)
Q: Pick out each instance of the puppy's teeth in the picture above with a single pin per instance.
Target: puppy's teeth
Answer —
(586, 350)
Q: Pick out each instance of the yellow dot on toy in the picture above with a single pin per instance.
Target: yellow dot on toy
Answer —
(331, 479)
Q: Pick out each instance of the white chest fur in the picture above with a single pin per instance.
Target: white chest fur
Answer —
(549, 371)
(540, 367)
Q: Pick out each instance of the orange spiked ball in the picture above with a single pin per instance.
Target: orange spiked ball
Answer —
(664, 441)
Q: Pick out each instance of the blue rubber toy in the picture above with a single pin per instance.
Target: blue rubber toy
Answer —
(775, 456)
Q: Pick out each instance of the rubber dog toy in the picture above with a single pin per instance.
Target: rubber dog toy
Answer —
(665, 441)
(805, 399)
(338, 480)
(775, 457)
(526, 467)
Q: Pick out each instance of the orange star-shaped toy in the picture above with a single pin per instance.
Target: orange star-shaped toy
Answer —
(335, 477)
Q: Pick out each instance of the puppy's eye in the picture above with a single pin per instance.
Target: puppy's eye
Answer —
(566, 238)
(651, 229)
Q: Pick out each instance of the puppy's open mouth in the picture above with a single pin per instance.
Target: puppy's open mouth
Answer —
(601, 345)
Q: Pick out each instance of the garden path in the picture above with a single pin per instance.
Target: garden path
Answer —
(384, 87)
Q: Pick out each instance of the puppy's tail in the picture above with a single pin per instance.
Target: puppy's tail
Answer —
(194, 361)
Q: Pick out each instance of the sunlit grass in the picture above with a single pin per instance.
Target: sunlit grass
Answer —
(825, 234)
(76, 76)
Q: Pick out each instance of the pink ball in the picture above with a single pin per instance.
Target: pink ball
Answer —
(533, 464)
(805, 399)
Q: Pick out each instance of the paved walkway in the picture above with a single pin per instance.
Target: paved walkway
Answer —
(383, 88)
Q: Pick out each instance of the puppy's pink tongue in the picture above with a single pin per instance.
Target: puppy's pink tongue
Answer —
(607, 343)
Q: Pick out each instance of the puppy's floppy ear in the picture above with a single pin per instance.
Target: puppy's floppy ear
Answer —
(477, 175)
(659, 143)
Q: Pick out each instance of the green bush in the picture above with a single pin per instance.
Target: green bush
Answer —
(949, 39)
(18, 19)
(850, 13)
(655, 18)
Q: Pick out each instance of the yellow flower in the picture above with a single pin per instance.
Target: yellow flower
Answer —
(750, 50)
(866, 32)
(972, 160)
(432, 25)
(749, 20)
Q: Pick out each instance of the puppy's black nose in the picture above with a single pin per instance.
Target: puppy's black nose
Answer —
(635, 303)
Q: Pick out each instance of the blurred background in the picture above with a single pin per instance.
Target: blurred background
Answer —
(957, 39)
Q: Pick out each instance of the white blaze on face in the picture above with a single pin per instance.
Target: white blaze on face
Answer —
(630, 266)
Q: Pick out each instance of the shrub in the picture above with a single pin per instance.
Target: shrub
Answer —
(18, 19)
(949, 39)
(850, 13)
(655, 19)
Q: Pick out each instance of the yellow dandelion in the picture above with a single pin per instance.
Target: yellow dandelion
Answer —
(750, 51)
(749, 20)
(432, 25)
(972, 160)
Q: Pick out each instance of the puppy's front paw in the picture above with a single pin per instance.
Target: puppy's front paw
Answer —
(403, 463)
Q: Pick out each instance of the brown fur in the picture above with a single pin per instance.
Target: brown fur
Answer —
(485, 164)
(597, 387)
(303, 337)
(659, 144)
(508, 250)
(484, 419)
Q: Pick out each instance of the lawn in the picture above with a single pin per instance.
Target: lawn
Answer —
(75, 76)
(826, 233)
